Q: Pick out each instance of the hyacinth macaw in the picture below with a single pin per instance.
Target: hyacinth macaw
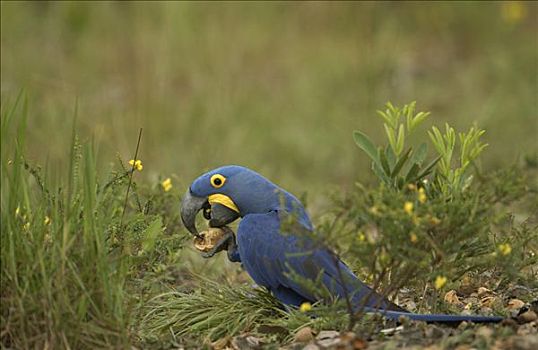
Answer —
(273, 242)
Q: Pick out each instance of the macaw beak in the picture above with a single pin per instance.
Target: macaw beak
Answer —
(217, 213)
(190, 206)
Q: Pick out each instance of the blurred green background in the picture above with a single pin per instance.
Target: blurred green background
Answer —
(277, 87)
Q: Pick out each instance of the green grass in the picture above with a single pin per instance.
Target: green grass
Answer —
(62, 285)
(277, 87)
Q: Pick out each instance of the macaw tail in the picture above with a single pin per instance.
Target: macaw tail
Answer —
(436, 318)
(371, 302)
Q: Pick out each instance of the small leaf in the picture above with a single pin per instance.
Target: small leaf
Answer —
(401, 140)
(420, 154)
(384, 162)
(400, 183)
(391, 137)
(379, 172)
(411, 174)
(437, 140)
(391, 157)
(419, 118)
(385, 117)
(428, 169)
(366, 145)
(151, 233)
(400, 163)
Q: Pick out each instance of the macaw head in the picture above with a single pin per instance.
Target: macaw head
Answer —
(232, 191)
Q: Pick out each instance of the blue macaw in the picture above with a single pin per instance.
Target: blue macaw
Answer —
(274, 245)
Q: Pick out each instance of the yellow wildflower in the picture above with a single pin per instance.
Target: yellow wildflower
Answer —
(361, 237)
(166, 184)
(17, 211)
(47, 220)
(513, 11)
(422, 195)
(136, 164)
(505, 248)
(440, 281)
(26, 226)
(408, 208)
(413, 237)
(305, 307)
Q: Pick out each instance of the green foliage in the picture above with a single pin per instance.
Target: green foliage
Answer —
(391, 164)
(409, 231)
(210, 312)
(68, 262)
(216, 311)
(454, 180)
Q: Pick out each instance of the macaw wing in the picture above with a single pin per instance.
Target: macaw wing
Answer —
(276, 250)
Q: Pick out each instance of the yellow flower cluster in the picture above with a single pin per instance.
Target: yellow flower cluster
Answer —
(440, 282)
(136, 164)
(505, 248)
(422, 195)
(305, 307)
(167, 184)
(408, 207)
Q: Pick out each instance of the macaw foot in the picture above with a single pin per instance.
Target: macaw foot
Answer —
(227, 242)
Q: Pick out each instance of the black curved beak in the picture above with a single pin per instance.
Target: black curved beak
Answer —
(217, 214)
(190, 206)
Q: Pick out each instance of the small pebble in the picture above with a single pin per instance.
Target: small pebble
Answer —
(327, 335)
(515, 304)
(304, 335)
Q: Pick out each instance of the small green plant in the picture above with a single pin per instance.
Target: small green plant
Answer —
(426, 225)
(450, 179)
(394, 166)
(397, 168)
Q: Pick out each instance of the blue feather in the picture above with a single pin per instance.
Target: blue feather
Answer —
(268, 255)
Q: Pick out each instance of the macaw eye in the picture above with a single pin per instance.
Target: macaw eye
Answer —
(217, 180)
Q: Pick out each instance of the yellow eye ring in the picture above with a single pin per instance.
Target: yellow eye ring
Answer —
(217, 180)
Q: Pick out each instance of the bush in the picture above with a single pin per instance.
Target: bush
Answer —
(429, 223)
